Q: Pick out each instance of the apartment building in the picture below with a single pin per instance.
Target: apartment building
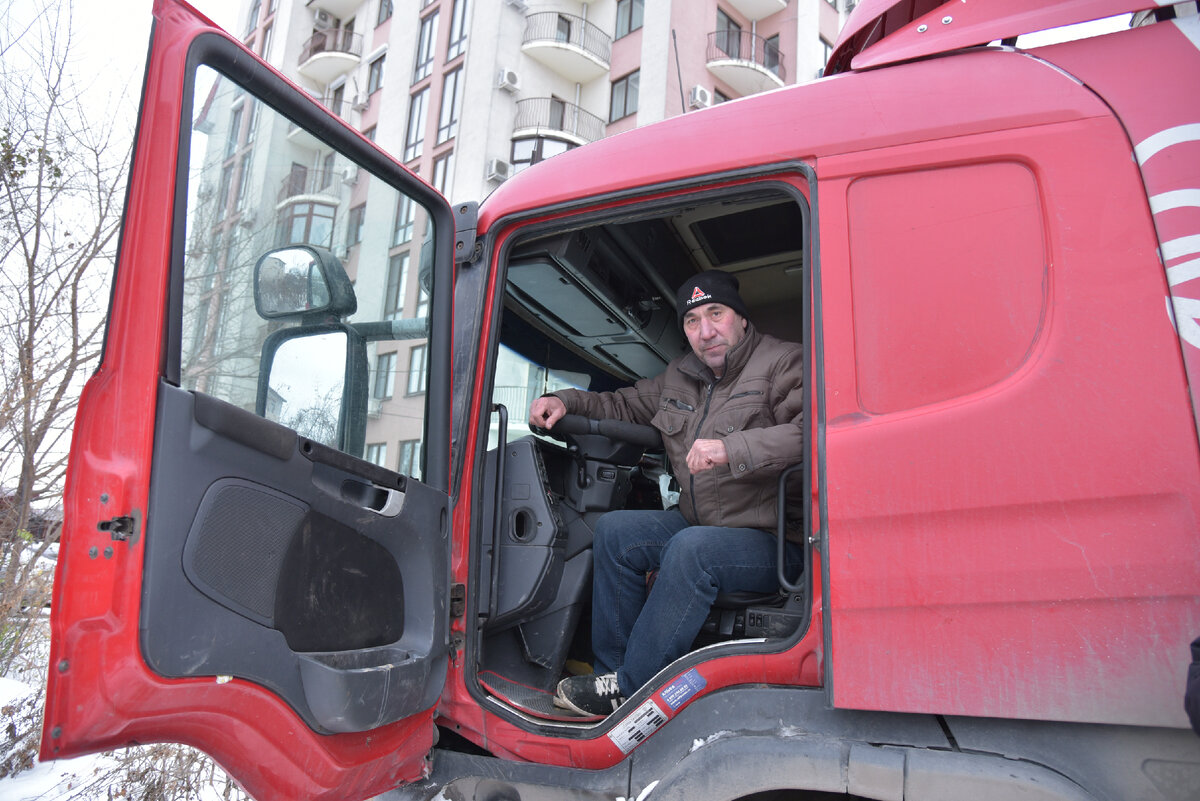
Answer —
(465, 93)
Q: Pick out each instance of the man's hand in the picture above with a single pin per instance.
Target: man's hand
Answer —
(544, 412)
(706, 454)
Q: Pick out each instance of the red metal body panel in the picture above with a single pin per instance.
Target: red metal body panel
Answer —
(1014, 542)
(100, 694)
(882, 32)
(1028, 549)
(1162, 119)
(839, 115)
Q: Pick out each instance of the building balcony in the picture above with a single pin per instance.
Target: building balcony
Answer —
(320, 185)
(571, 46)
(328, 54)
(338, 8)
(754, 10)
(549, 116)
(748, 63)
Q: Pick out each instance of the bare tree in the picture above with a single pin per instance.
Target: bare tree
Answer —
(62, 178)
(61, 182)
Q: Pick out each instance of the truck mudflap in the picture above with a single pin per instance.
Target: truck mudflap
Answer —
(724, 743)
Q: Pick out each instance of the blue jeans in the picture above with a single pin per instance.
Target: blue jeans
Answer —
(636, 633)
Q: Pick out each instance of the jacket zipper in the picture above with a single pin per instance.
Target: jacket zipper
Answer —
(691, 477)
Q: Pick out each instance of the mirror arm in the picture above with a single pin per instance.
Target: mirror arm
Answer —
(417, 328)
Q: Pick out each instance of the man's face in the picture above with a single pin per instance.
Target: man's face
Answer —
(712, 330)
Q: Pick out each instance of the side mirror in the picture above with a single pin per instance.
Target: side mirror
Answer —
(314, 380)
(301, 280)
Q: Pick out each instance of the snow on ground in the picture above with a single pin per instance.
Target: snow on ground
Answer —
(54, 781)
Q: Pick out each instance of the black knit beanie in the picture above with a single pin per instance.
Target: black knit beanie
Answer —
(713, 286)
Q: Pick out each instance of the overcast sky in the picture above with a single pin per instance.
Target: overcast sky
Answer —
(111, 37)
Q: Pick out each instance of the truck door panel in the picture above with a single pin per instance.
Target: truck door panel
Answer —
(1011, 462)
(257, 513)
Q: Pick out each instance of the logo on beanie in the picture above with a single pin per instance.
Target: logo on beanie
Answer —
(698, 295)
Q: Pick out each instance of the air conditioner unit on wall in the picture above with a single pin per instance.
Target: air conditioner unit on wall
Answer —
(519, 5)
(323, 20)
(700, 97)
(350, 176)
(360, 103)
(508, 81)
(498, 170)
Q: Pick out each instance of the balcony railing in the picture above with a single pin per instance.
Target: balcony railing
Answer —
(332, 41)
(313, 182)
(746, 47)
(549, 116)
(567, 29)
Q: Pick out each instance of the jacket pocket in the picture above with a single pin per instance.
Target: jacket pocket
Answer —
(670, 423)
(732, 420)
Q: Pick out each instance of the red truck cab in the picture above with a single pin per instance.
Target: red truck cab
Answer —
(990, 255)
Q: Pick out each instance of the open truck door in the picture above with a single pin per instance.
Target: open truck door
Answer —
(245, 568)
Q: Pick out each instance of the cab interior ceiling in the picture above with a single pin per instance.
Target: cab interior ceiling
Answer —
(606, 293)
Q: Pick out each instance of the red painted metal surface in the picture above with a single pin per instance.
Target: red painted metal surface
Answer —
(100, 695)
(1162, 119)
(1024, 545)
(888, 31)
(1028, 549)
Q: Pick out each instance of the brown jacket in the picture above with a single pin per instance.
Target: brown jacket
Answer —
(756, 407)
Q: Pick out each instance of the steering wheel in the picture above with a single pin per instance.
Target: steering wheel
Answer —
(619, 430)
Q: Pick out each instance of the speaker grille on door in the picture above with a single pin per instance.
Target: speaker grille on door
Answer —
(235, 549)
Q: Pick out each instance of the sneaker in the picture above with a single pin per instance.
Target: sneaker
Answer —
(589, 695)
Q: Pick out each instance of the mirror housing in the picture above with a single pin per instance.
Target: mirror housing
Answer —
(333, 400)
(302, 280)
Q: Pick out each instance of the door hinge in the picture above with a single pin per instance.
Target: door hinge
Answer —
(458, 600)
(121, 529)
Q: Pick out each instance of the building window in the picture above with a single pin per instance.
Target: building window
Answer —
(354, 228)
(327, 169)
(422, 309)
(252, 21)
(442, 167)
(375, 75)
(719, 97)
(252, 123)
(385, 11)
(385, 372)
(266, 41)
(416, 370)
(539, 148)
(223, 192)
(624, 96)
(451, 97)
(426, 43)
(308, 223)
(397, 277)
(405, 213)
(376, 453)
(235, 132)
(771, 59)
(629, 16)
(415, 137)
(458, 30)
(243, 180)
(410, 458)
(729, 35)
(369, 134)
(826, 52)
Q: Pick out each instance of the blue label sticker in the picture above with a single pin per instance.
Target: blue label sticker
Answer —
(679, 691)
